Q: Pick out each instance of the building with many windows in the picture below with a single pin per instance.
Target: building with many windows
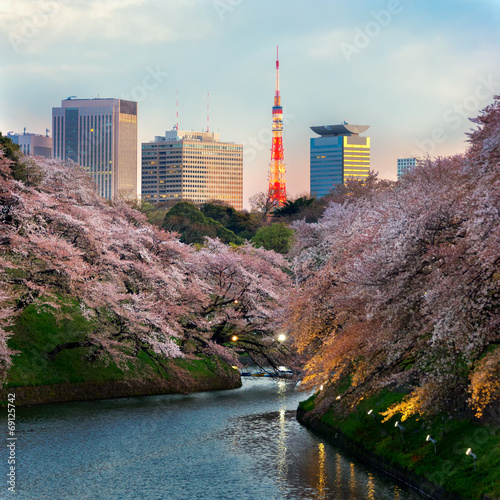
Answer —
(194, 166)
(408, 164)
(339, 153)
(101, 136)
(33, 144)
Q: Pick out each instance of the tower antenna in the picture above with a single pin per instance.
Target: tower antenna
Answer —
(177, 116)
(208, 112)
(277, 186)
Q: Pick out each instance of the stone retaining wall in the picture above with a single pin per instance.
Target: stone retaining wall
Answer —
(86, 391)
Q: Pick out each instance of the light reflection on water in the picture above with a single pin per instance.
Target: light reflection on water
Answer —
(244, 444)
(321, 472)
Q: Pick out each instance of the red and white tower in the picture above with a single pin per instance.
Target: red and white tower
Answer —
(277, 188)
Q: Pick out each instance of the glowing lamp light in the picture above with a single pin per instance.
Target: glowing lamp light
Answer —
(338, 397)
(234, 338)
(370, 412)
(282, 338)
(235, 301)
(321, 387)
(473, 455)
(429, 438)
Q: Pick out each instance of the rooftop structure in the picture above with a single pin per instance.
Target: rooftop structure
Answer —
(337, 155)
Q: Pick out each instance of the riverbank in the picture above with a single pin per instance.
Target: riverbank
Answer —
(201, 377)
(441, 472)
(82, 373)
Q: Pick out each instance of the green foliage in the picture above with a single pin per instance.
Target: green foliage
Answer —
(155, 213)
(449, 468)
(277, 237)
(193, 225)
(243, 224)
(294, 207)
(23, 167)
(11, 150)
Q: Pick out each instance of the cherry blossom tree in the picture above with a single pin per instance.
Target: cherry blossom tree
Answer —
(400, 285)
(140, 288)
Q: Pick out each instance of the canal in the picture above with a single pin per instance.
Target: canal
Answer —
(243, 444)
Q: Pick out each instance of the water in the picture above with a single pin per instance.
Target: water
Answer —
(243, 444)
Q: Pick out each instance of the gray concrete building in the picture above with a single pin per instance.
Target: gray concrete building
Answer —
(33, 144)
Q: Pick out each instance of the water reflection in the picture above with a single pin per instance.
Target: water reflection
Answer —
(371, 487)
(322, 472)
(244, 444)
(316, 471)
(281, 457)
(352, 479)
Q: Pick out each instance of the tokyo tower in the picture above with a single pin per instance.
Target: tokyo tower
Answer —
(277, 188)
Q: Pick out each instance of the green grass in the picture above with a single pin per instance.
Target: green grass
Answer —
(449, 468)
(38, 331)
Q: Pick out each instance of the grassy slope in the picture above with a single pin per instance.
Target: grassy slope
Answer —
(450, 468)
(38, 331)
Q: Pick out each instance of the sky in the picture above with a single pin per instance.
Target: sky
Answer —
(413, 70)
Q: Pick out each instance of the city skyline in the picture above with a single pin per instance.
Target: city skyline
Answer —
(414, 70)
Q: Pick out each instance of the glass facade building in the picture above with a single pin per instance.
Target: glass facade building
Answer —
(337, 155)
(408, 164)
(101, 136)
(192, 166)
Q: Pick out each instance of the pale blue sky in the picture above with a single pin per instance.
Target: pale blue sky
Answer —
(412, 74)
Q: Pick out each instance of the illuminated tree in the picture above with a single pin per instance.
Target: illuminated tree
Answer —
(401, 285)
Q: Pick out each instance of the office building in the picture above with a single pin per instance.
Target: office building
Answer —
(408, 164)
(194, 166)
(101, 136)
(338, 154)
(33, 144)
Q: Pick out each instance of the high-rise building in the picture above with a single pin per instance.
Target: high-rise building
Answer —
(408, 164)
(33, 144)
(193, 166)
(101, 136)
(337, 155)
(277, 186)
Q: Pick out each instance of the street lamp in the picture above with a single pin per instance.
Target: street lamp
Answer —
(234, 338)
(474, 457)
(282, 338)
(432, 441)
(401, 428)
